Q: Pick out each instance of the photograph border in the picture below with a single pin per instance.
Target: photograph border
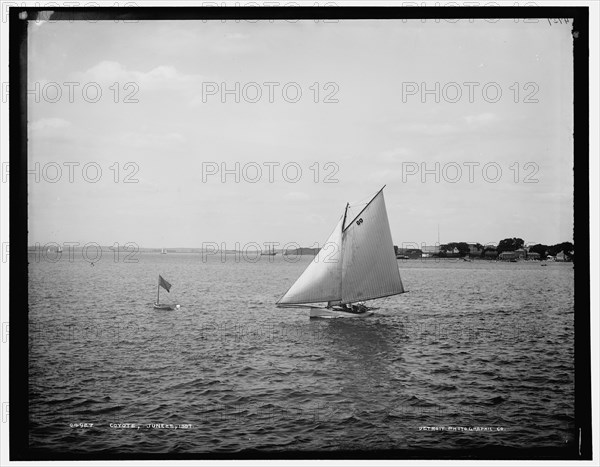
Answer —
(18, 269)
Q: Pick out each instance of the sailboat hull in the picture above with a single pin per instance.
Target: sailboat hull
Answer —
(332, 313)
(163, 307)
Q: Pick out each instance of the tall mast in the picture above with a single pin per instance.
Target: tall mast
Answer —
(345, 213)
(158, 291)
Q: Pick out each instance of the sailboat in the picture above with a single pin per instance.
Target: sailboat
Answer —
(163, 252)
(357, 263)
(165, 285)
(270, 251)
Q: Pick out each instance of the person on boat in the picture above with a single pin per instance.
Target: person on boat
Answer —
(358, 308)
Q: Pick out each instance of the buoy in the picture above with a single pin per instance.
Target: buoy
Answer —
(177, 306)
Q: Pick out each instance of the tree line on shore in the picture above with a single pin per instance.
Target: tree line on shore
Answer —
(462, 249)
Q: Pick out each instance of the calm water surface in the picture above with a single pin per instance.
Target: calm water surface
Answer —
(479, 344)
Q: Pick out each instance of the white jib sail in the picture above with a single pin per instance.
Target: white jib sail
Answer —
(321, 281)
(369, 265)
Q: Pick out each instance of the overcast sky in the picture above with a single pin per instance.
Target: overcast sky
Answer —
(375, 129)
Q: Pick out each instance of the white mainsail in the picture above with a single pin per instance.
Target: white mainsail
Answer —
(356, 263)
(369, 265)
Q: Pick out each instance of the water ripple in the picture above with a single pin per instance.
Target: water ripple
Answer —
(473, 345)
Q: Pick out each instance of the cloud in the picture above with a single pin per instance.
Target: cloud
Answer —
(296, 196)
(395, 155)
(465, 124)
(45, 124)
(150, 139)
(479, 120)
(108, 72)
(431, 129)
(236, 36)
